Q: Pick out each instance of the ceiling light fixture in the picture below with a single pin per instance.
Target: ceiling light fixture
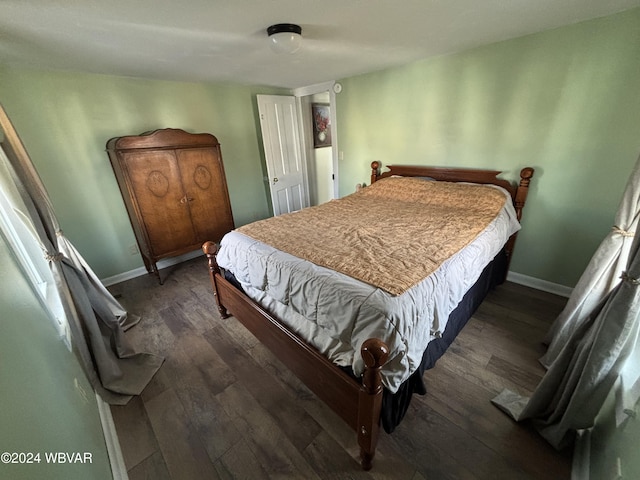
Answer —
(285, 37)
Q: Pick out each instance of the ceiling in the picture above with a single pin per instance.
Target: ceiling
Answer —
(226, 41)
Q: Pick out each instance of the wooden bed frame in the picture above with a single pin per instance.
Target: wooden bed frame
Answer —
(359, 404)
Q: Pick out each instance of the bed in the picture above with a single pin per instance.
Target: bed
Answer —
(358, 304)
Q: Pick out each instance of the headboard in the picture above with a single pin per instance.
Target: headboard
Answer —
(473, 175)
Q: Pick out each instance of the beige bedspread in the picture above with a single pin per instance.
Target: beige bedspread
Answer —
(391, 235)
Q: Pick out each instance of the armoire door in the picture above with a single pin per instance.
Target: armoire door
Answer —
(161, 199)
(203, 180)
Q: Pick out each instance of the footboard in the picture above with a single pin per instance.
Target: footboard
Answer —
(357, 404)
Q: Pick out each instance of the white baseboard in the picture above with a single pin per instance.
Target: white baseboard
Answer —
(539, 284)
(118, 468)
(139, 272)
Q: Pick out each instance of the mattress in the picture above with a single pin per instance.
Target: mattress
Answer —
(336, 313)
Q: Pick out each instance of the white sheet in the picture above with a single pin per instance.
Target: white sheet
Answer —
(336, 313)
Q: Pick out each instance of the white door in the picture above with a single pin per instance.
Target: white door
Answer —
(282, 150)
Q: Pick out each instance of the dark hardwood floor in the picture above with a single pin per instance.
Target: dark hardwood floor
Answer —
(222, 406)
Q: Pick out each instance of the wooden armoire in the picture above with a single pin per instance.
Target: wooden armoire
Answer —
(174, 187)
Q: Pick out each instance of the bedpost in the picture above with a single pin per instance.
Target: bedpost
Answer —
(518, 202)
(523, 190)
(374, 353)
(375, 171)
(210, 249)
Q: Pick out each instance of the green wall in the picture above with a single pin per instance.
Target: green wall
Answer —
(65, 120)
(42, 411)
(566, 102)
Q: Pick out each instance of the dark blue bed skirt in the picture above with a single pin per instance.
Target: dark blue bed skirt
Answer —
(395, 405)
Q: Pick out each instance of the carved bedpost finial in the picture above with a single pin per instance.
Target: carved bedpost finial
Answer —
(523, 189)
(375, 170)
(210, 249)
(374, 354)
(525, 176)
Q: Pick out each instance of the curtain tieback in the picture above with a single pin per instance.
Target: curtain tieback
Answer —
(628, 278)
(53, 258)
(56, 257)
(624, 233)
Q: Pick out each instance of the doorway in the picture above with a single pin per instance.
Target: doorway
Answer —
(321, 159)
(300, 173)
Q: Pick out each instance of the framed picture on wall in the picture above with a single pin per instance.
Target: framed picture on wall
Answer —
(321, 125)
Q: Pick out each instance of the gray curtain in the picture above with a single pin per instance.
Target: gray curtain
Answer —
(593, 348)
(577, 383)
(602, 273)
(96, 319)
